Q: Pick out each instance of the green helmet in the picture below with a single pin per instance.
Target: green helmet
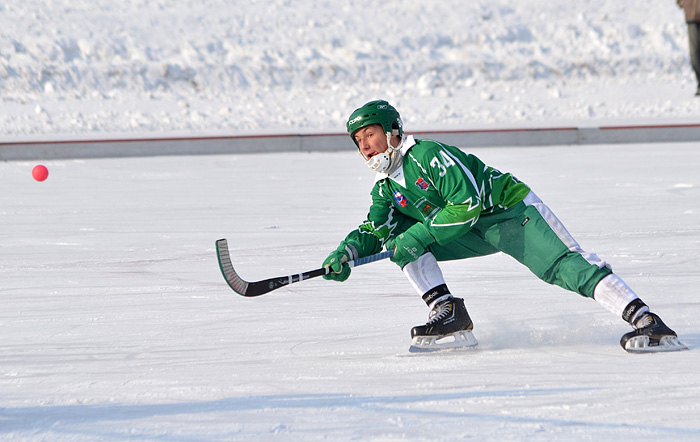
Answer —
(375, 112)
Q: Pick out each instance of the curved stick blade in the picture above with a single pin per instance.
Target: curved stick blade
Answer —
(234, 281)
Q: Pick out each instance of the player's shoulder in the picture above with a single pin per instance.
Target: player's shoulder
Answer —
(426, 144)
(424, 148)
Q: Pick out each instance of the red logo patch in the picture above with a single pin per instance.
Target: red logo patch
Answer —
(422, 183)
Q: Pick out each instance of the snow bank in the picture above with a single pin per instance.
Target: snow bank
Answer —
(162, 66)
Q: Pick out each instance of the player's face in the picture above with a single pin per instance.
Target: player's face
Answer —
(371, 140)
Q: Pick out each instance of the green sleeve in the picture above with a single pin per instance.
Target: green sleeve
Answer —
(449, 171)
(468, 188)
(382, 223)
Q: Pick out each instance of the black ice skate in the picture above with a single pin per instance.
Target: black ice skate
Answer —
(651, 335)
(449, 327)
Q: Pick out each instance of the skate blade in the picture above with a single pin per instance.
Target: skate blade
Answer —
(461, 340)
(640, 344)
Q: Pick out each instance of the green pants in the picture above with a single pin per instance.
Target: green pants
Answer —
(531, 234)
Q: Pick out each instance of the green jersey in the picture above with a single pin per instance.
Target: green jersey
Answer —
(438, 185)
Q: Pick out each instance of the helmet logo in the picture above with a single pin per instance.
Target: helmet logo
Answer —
(382, 106)
(355, 120)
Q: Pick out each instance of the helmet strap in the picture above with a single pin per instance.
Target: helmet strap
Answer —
(384, 162)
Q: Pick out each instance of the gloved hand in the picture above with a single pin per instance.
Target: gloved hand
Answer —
(410, 245)
(340, 270)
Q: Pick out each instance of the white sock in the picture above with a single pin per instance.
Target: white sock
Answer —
(424, 273)
(615, 295)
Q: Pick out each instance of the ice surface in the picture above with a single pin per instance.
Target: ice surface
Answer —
(116, 323)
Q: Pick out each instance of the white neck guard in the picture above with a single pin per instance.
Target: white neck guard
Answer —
(388, 161)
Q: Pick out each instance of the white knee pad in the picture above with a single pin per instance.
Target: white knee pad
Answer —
(424, 273)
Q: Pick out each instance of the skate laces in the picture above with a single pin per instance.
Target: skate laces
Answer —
(644, 321)
(441, 311)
